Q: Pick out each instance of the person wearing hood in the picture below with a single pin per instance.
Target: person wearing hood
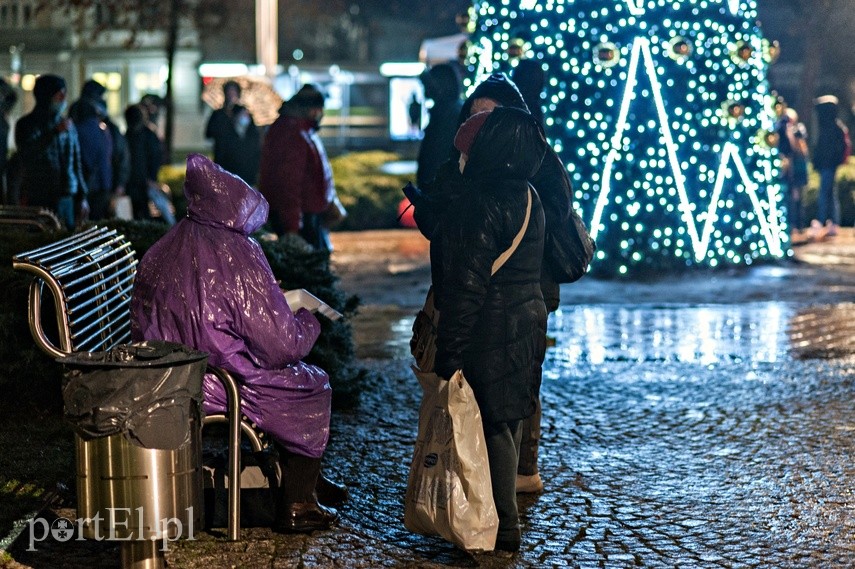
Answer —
(208, 285)
(237, 141)
(92, 95)
(497, 330)
(441, 85)
(296, 175)
(831, 150)
(568, 248)
(96, 149)
(51, 173)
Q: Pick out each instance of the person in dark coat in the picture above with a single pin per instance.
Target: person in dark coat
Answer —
(443, 87)
(7, 101)
(96, 153)
(831, 150)
(145, 154)
(568, 248)
(51, 173)
(494, 327)
(120, 161)
(529, 78)
(237, 141)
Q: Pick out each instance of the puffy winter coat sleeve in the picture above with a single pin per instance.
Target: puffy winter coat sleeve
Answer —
(469, 243)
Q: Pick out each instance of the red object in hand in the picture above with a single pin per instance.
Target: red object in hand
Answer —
(405, 214)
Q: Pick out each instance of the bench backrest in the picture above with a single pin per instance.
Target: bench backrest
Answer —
(90, 276)
(31, 218)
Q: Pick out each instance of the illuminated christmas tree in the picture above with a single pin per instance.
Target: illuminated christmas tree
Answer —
(661, 111)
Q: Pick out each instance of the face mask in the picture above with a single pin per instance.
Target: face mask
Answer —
(58, 107)
(243, 121)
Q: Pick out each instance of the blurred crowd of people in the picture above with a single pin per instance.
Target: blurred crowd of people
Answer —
(75, 161)
(830, 150)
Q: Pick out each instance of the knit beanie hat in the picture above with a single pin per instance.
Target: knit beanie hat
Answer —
(465, 137)
(92, 90)
(47, 86)
(308, 96)
(501, 89)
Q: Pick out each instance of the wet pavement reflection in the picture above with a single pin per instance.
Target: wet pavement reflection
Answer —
(755, 332)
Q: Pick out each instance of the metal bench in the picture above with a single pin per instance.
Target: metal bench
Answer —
(30, 218)
(90, 277)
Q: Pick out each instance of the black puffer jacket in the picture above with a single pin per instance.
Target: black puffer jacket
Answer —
(569, 248)
(494, 327)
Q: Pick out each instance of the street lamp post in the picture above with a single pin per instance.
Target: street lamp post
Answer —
(267, 35)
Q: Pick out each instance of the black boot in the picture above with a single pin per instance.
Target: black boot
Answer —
(297, 508)
(330, 493)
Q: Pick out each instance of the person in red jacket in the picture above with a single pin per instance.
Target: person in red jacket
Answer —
(296, 176)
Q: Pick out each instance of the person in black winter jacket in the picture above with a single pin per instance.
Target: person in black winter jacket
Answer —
(237, 140)
(92, 94)
(145, 157)
(568, 247)
(831, 150)
(7, 101)
(443, 87)
(494, 327)
(51, 172)
(96, 154)
(529, 78)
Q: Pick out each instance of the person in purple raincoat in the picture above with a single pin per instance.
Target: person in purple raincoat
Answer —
(208, 285)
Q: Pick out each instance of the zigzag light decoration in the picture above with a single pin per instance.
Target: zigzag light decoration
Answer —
(659, 109)
(769, 225)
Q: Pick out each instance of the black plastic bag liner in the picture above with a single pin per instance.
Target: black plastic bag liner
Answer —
(147, 391)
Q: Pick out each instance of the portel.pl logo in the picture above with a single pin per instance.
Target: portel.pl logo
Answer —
(114, 528)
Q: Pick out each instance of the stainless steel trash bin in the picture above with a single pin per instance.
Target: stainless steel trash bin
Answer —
(137, 413)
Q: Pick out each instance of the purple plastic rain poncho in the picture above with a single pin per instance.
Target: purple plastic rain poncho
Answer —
(208, 285)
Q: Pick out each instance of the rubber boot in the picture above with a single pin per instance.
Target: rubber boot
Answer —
(297, 508)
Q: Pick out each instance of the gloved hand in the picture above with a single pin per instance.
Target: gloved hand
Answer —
(413, 194)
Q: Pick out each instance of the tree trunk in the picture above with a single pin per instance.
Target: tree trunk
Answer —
(171, 47)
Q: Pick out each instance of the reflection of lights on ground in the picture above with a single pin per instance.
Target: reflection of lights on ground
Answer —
(699, 334)
(708, 335)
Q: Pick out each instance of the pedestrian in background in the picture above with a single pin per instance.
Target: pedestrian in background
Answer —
(94, 93)
(296, 175)
(49, 150)
(529, 78)
(8, 97)
(96, 152)
(153, 104)
(493, 326)
(832, 149)
(146, 156)
(793, 147)
(237, 141)
(442, 86)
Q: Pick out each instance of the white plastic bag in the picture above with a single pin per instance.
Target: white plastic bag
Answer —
(449, 492)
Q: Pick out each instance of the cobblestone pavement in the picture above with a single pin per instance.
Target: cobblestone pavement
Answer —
(674, 435)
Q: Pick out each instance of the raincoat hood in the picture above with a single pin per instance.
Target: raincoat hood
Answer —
(218, 198)
(510, 145)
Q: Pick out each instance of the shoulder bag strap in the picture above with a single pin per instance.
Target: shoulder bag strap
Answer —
(497, 264)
